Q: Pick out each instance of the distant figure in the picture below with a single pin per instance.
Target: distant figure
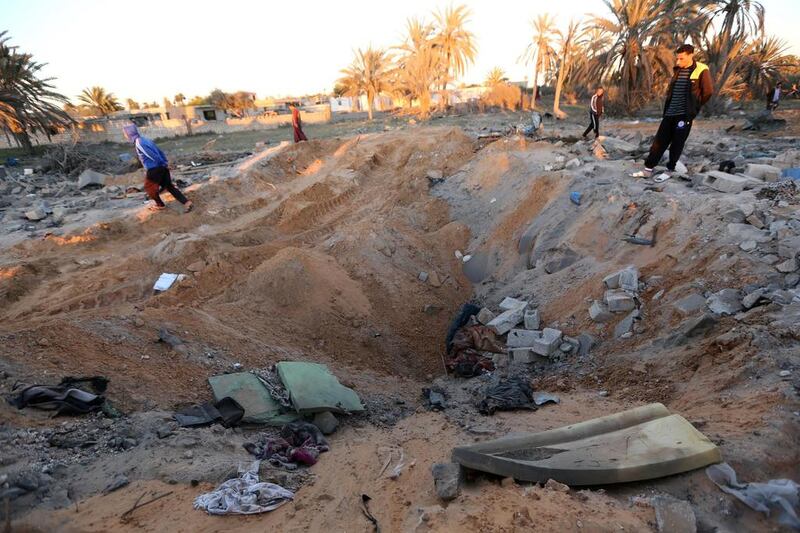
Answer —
(794, 92)
(774, 97)
(297, 125)
(595, 112)
(157, 174)
(689, 90)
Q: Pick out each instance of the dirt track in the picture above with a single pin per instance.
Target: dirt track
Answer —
(314, 254)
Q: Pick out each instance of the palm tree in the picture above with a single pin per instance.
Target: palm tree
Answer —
(369, 73)
(419, 65)
(28, 103)
(586, 68)
(495, 77)
(740, 18)
(566, 57)
(456, 44)
(764, 63)
(737, 20)
(132, 104)
(98, 99)
(179, 99)
(540, 49)
(634, 23)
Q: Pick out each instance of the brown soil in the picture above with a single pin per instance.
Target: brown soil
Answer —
(315, 254)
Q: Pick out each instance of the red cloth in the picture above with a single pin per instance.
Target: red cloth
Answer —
(297, 126)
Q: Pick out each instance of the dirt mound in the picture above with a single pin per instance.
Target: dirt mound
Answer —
(302, 285)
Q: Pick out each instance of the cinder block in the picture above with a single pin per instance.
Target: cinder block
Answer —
(724, 182)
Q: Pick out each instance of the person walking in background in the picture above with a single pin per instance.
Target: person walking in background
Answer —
(691, 87)
(774, 97)
(595, 112)
(297, 125)
(157, 176)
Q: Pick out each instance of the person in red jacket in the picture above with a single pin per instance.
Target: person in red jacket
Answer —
(595, 112)
(297, 125)
(689, 90)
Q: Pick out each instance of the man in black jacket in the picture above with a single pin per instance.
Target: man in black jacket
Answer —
(690, 89)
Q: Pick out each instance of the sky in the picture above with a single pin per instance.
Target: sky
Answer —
(147, 49)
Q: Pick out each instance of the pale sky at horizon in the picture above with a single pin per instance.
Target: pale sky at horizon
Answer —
(146, 50)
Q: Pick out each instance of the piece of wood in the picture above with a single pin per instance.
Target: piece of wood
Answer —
(127, 514)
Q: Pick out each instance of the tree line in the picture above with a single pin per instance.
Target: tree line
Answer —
(628, 49)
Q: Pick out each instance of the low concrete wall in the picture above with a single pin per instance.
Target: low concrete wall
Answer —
(112, 131)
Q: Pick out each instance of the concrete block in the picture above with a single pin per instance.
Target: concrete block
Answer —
(626, 324)
(35, 214)
(521, 338)
(485, 316)
(587, 342)
(746, 232)
(724, 182)
(549, 342)
(506, 321)
(618, 300)
(573, 163)
(326, 422)
(762, 172)
(751, 299)
(501, 360)
(509, 303)
(522, 355)
(725, 302)
(90, 177)
(689, 304)
(611, 143)
(748, 246)
(755, 221)
(788, 266)
(447, 480)
(627, 278)
(531, 319)
(599, 312)
(747, 209)
(789, 247)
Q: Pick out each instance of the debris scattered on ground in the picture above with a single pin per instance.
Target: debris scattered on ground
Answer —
(249, 391)
(226, 411)
(244, 495)
(166, 280)
(674, 515)
(508, 395)
(781, 496)
(65, 398)
(642, 443)
(313, 389)
(300, 443)
(447, 480)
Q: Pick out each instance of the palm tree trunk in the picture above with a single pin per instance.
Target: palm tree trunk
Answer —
(535, 83)
(562, 73)
(24, 140)
(370, 99)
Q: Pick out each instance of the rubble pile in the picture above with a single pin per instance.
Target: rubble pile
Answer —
(620, 296)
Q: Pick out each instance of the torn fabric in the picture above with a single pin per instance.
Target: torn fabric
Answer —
(781, 495)
(244, 495)
(301, 443)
